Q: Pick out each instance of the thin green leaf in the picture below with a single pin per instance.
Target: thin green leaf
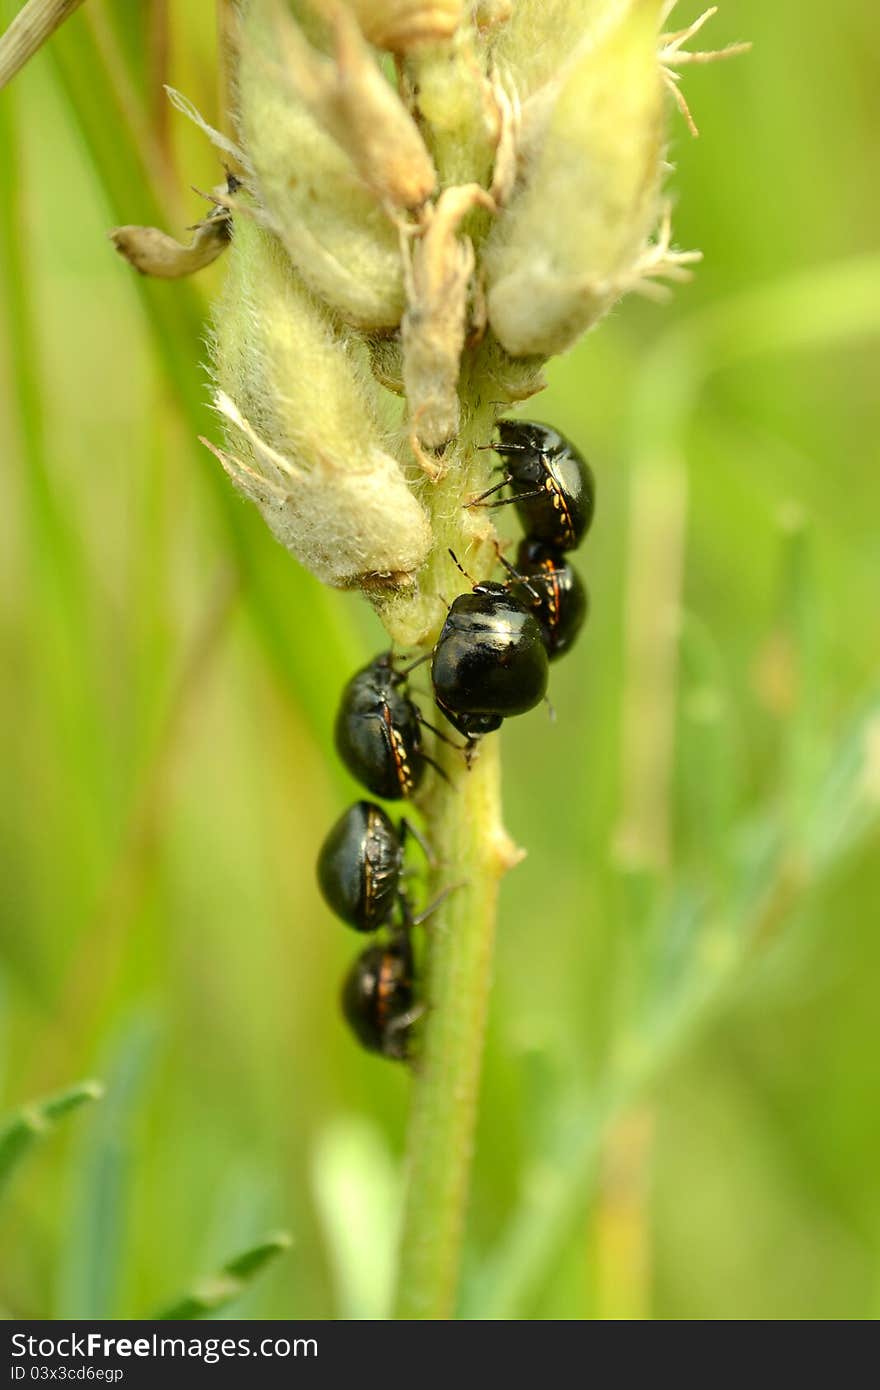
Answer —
(217, 1292)
(799, 633)
(92, 1261)
(845, 805)
(34, 1122)
(707, 773)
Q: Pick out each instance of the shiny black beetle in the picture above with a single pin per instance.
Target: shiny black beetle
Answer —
(378, 997)
(490, 660)
(378, 732)
(545, 582)
(551, 482)
(359, 866)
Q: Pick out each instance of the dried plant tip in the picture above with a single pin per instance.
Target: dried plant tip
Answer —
(216, 137)
(359, 108)
(672, 54)
(401, 25)
(435, 323)
(154, 252)
(661, 261)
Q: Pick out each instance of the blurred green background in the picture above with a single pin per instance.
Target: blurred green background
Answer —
(680, 1114)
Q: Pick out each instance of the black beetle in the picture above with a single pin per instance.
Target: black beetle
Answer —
(378, 997)
(552, 483)
(545, 582)
(490, 660)
(378, 734)
(359, 866)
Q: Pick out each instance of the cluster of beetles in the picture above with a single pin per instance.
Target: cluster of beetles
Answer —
(491, 661)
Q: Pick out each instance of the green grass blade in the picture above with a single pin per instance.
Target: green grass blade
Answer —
(708, 774)
(57, 586)
(217, 1292)
(844, 810)
(35, 1121)
(92, 1266)
(800, 652)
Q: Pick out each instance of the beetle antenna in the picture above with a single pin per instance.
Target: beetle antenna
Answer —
(515, 574)
(461, 568)
(438, 733)
(419, 661)
(410, 831)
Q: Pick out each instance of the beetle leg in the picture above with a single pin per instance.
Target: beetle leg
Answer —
(438, 769)
(408, 830)
(489, 491)
(395, 1042)
(438, 733)
(508, 501)
(420, 917)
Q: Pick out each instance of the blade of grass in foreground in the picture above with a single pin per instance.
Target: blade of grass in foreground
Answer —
(35, 1121)
(217, 1292)
(92, 1261)
(56, 595)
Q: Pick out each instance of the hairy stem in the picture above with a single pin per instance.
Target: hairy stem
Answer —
(465, 828)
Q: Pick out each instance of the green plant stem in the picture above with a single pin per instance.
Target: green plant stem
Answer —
(464, 825)
(470, 843)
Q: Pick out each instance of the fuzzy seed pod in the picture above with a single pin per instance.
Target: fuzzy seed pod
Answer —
(304, 441)
(334, 227)
(571, 241)
(540, 36)
(401, 25)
